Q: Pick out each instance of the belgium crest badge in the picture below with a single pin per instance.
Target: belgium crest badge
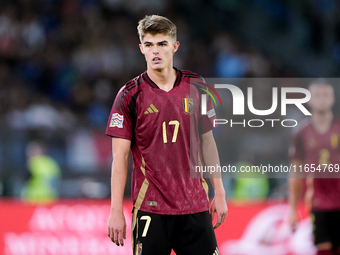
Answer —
(188, 105)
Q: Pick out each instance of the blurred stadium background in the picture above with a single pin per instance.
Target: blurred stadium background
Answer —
(63, 61)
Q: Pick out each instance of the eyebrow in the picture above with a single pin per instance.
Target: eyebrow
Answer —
(165, 41)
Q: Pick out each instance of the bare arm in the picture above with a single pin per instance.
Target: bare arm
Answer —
(309, 193)
(116, 228)
(295, 189)
(211, 158)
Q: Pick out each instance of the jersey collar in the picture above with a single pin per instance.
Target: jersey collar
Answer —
(154, 85)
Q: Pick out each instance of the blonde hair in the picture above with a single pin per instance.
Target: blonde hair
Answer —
(155, 24)
(320, 82)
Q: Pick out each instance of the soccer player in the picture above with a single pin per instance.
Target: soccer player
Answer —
(157, 115)
(317, 142)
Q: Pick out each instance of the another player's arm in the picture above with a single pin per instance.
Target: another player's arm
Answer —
(211, 158)
(116, 228)
(295, 183)
(309, 193)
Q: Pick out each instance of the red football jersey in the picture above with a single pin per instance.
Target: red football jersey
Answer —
(164, 129)
(311, 147)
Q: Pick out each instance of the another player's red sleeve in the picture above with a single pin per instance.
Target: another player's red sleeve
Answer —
(206, 122)
(120, 121)
(296, 151)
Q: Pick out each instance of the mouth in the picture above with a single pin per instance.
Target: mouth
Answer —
(156, 60)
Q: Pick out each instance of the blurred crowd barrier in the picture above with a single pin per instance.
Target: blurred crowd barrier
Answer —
(78, 227)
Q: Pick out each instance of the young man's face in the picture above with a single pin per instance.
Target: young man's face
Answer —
(322, 99)
(158, 50)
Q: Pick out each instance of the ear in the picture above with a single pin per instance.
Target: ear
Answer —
(141, 48)
(175, 46)
(333, 100)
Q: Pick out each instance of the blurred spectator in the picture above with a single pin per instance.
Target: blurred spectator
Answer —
(257, 65)
(9, 32)
(33, 35)
(41, 115)
(230, 61)
(45, 173)
(249, 185)
(62, 62)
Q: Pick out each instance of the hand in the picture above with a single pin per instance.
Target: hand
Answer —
(116, 228)
(293, 219)
(219, 206)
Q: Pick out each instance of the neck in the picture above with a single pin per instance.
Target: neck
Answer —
(164, 78)
(322, 120)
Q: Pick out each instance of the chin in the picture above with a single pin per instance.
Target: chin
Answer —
(157, 67)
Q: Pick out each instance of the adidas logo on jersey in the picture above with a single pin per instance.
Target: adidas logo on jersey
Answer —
(151, 109)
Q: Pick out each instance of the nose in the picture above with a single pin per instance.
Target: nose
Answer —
(155, 50)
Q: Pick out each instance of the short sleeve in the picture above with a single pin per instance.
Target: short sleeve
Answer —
(120, 123)
(206, 122)
(296, 151)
